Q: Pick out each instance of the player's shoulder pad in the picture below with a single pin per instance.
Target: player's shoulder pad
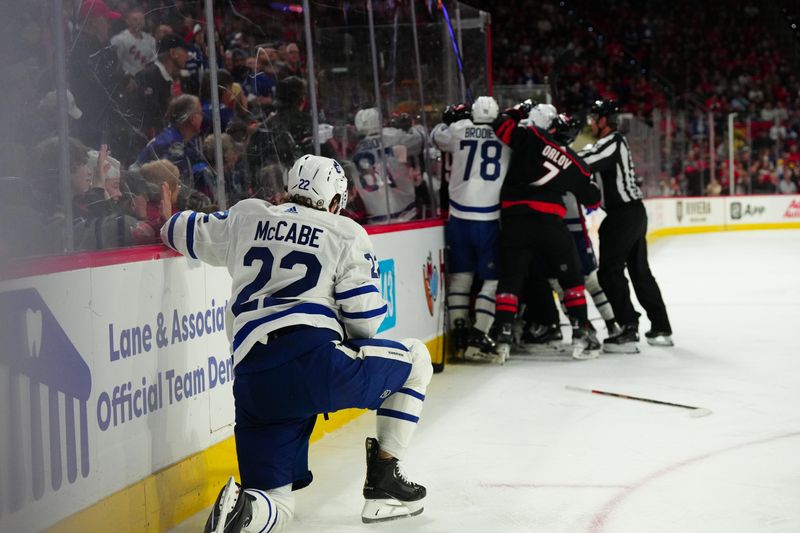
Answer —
(350, 228)
(250, 205)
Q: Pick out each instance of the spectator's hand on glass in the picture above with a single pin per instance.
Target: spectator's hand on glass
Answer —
(103, 166)
(112, 188)
(139, 206)
(166, 201)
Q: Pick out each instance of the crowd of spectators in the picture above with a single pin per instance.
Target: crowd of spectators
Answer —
(140, 100)
(692, 59)
(140, 119)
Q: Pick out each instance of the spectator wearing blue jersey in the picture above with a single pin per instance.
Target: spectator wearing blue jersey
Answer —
(258, 85)
(224, 88)
(179, 142)
(197, 61)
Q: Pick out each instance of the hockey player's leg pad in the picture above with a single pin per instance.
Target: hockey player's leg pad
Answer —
(484, 306)
(399, 413)
(421, 367)
(459, 286)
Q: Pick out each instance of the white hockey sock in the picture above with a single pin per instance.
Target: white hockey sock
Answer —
(484, 306)
(598, 296)
(458, 289)
(399, 413)
(272, 509)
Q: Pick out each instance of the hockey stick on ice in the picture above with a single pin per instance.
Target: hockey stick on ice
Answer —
(697, 412)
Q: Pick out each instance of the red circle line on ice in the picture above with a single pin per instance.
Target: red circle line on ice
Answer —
(600, 519)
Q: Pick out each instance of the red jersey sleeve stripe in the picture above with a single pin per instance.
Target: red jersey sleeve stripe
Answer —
(505, 130)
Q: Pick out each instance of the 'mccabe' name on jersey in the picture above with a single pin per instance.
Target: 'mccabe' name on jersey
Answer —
(289, 232)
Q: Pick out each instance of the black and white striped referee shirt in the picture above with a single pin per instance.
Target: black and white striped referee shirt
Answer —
(611, 161)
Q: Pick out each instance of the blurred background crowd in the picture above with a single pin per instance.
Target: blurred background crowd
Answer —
(695, 62)
(139, 137)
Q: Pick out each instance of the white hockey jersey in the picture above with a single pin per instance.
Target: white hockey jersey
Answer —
(290, 265)
(479, 166)
(134, 54)
(399, 178)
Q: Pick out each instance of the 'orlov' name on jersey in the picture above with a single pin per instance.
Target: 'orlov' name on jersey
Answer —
(288, 232)
(556, 156)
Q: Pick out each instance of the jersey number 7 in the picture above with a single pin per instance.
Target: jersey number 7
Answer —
(552, 172)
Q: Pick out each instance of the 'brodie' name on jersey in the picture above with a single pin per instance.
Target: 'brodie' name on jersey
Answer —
(288, 232)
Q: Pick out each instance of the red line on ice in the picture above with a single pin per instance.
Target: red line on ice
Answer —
(600, 519)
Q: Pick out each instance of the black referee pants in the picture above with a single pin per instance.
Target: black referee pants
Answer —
(532, 243)
(622, 243)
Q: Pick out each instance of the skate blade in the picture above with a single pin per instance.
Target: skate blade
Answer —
(474, 355)
(551, 346)
(503, 353)
(630, 347)
(582, 353)
(389, 509)
(226, 504)
(554, 350)
(661, 340)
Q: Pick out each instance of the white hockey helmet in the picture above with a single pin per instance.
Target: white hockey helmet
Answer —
(484, 110)
(543, 115)
(319, 179)
(368, 121)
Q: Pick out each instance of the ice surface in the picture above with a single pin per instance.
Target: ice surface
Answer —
(510, 449)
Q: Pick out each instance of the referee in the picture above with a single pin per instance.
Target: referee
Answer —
(622, 236)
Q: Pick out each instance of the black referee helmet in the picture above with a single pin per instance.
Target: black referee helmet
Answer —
(605, 108)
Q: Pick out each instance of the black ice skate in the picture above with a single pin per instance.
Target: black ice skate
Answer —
(388, 494)
(662, 337)
(460, 335)
(541, 335)
(626, 341)
(584, 342)
(544, 340)
(481, 348)
(232, 511)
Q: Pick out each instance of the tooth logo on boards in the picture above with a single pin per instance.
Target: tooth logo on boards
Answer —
(47, 377)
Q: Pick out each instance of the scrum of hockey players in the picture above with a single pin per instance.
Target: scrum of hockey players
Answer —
(307, 305)
(517, 232)
(490, 191)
